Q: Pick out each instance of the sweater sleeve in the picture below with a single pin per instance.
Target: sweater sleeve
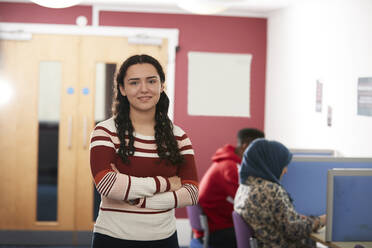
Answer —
(292, 224)
(231, 176)
(188, 193)
(109, 182)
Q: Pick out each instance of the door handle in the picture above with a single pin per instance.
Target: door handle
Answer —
(69, 132)
(85, 126)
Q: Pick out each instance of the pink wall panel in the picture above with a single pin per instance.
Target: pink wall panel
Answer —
(197, 33)
(27, 12)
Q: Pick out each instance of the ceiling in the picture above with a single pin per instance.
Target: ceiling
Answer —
(250, 8)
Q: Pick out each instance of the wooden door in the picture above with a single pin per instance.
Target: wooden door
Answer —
(77, 57)
(19, 124)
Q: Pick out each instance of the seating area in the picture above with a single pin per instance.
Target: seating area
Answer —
(198, 221)
(243, 232)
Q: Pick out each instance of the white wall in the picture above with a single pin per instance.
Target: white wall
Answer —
(330, 40)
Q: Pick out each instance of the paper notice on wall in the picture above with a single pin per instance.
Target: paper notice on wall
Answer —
(319, 96)
(329, 116)
(365, 96)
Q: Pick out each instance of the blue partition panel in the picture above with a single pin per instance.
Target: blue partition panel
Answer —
(352, 208)
(306, 182)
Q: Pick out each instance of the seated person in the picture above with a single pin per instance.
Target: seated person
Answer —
(218, 187)
(264, 203)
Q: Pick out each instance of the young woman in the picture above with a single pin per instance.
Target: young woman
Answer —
(264, 203)
(143, 165)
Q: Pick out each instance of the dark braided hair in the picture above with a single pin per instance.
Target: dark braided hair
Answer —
(167, 146)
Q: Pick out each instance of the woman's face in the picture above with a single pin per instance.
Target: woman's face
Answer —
(142, 87)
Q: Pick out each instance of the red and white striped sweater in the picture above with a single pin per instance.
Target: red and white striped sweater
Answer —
(144, 178)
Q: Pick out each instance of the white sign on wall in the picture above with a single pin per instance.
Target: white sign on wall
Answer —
(365, 96)
(319, 96)
(219, 84)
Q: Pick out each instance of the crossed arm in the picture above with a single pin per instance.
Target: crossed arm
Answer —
(147, 192)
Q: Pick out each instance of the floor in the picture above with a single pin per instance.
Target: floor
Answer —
(16, 246)
(2, 246)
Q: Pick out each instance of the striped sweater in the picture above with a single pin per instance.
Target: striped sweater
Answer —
(144, 178)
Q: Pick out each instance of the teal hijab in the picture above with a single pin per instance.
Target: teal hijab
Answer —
(265, 159)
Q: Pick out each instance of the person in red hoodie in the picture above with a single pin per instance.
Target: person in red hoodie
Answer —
(218, 187)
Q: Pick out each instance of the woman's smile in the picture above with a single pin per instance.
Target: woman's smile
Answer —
(144, 98)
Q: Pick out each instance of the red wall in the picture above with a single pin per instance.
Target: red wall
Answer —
(24, 12)
(196, 33)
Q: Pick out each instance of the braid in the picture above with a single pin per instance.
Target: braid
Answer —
(124, 126)
(167, 145)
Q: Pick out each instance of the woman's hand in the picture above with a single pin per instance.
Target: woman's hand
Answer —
(322, 220)
(114, 168)
(175, 183)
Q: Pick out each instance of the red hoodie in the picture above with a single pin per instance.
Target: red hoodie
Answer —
(218, 187)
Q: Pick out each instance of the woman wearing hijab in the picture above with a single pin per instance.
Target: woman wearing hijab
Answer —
(263, 202)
